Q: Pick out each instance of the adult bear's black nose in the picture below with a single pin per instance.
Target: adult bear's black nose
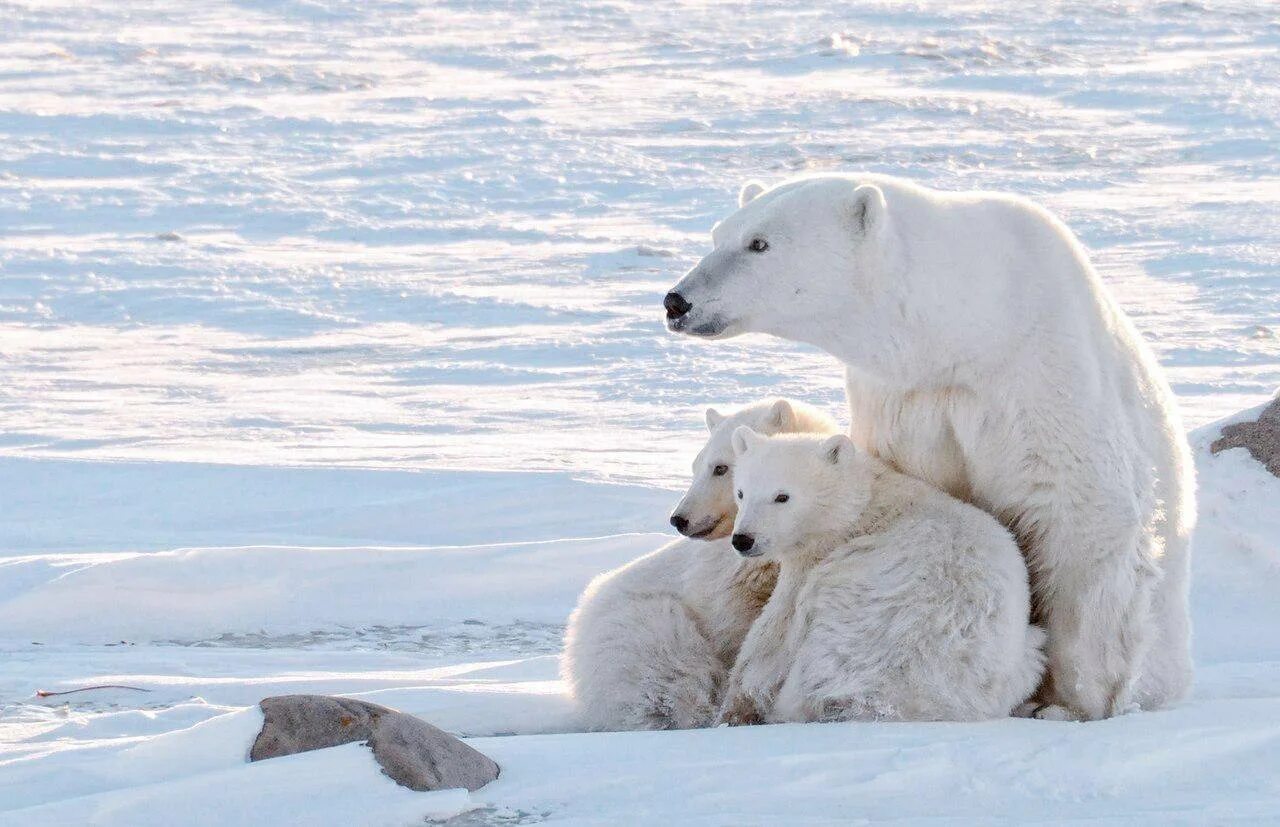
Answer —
(679, 523)
(743, 542)
(676, 305)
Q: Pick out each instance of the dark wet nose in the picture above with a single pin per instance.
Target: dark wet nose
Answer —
(743, 542)
(679, 523)
(676, 305)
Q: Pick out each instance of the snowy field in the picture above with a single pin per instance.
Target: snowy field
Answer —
(332, 360)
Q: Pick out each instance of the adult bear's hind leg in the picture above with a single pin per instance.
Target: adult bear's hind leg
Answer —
(1095, 588)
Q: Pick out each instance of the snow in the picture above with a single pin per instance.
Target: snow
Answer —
(195, 592)
(331, 360)
(466, 637)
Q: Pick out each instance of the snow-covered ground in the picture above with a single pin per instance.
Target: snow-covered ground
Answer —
(331, 359)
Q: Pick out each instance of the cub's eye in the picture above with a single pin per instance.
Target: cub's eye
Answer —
(720, 470)
(739, 494)
(758, 245)
(781, 498)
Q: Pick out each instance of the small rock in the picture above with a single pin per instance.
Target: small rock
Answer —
(298, 723)
(411, 752)
(421, 757)
(1261, 438)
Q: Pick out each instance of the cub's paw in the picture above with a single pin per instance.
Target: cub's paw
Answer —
(739, 710)
(1044, 712)
(834, 710)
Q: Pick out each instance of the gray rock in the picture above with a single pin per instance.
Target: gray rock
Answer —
(412, 752)
(298, 723)
(1261, 438)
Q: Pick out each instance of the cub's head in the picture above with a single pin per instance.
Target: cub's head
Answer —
(707, 509)
(792, 488)
(792, 261)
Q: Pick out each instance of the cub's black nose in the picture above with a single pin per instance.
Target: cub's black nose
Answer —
(676, 305)
(743, 542)
(679, 523)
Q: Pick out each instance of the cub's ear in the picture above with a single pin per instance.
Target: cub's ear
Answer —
(714, 418)
(744, 439)
(749, 191)
(867, 209)
(782, 418)
(837, 449)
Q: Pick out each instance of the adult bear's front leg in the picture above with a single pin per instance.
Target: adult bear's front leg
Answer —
(1094, 583)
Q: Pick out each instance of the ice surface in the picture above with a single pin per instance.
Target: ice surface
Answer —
(331, 360)
(423, 235)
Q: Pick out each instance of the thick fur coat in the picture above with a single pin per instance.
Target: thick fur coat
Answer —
(894, 600)
(984, 355)
(650, 644)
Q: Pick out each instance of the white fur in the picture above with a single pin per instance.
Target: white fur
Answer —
(650, 644)
(708, 505)
(894, 601)
(984, 355)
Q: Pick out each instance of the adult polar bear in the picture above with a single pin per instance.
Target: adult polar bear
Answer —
(983, 354)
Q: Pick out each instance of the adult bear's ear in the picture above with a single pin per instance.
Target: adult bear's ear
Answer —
(781, 416)
(714, 418)
(749, 191)
(837, 449)
(744, 439)
(868, 209)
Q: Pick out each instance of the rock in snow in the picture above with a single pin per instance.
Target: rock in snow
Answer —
(1262, 438)
(412, 752)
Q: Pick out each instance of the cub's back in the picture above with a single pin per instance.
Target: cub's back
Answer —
(932, 575)
(925, 617)
(910, 522)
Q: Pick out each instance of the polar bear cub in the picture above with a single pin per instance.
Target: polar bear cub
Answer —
(650, 644)
(707, 509)
(894, 600)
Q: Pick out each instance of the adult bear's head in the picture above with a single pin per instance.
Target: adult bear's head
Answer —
(802, 261)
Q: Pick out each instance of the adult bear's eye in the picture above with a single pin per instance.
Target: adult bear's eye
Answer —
(739, 494)
(758, 245)
(781, 498)
(720, 470)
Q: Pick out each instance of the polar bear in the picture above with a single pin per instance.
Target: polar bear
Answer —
(984, 355)
(894, 601)
(706, 510)
(650, 644)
